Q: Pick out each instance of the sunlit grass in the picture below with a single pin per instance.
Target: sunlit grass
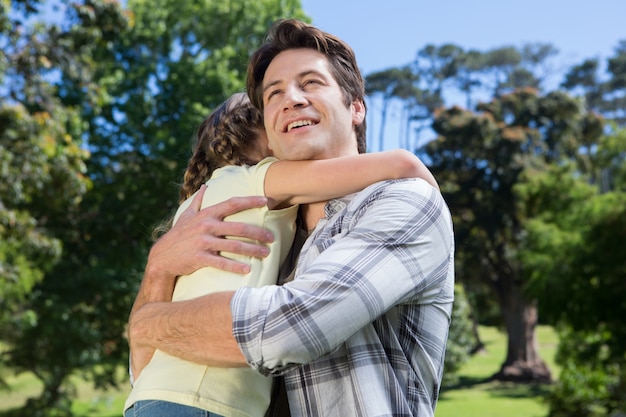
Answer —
(473, 397)
(90, 402)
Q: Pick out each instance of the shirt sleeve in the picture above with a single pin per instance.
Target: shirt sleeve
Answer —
(395, 247)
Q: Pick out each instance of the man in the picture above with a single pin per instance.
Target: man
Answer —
(362, 328)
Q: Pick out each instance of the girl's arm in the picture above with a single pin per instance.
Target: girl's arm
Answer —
(302, 182)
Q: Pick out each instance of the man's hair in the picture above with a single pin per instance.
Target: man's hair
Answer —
(294, 34)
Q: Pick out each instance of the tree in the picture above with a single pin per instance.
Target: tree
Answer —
(137, 82)
(583, 80)
(437, 65)
(389, 84)
(573, 246)
(616, 86)
(605, 95)
(467, 78)
(536, 61)
(506, 68)
(498, 66)
(42, 182)
(438, 71)
(479, 159)
(44, 150)
(419, 106)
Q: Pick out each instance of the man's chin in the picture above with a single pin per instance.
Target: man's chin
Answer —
(302, 155)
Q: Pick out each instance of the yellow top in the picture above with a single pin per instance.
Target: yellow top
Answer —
(227, 391)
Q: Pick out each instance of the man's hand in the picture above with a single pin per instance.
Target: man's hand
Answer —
(198, 237)
(139, 358)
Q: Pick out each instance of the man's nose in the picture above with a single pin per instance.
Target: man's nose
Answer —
(294, 97)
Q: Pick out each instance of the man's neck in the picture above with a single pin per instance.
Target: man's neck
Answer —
(311, 214)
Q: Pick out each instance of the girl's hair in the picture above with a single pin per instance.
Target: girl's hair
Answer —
(226, 137)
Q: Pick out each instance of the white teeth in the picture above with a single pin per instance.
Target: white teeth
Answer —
(299, 123)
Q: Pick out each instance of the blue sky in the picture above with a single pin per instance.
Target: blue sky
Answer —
(389, 33)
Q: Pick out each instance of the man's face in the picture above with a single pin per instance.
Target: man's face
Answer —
(304, 113)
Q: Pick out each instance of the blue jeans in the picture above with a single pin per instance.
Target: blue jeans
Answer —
(154, 408)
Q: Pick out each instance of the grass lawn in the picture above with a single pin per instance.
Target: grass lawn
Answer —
(90, 402)
(473, 397)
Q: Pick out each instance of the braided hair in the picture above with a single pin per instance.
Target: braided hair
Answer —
(227, 137)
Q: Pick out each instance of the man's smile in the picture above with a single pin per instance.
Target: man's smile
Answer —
(299, 123)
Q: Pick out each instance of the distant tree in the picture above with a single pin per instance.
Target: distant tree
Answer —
(537, 61)
(498, 66)
(501, 70)
(603, 94)
(419, 106)
(438, 65)
(389, 84)
(583, 80)
(468, 77)
(615, 107)
(609, 162)
(440, 72)
(479, 158)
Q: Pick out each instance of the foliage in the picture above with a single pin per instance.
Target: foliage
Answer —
(480, 158)
(605, 95)
(590, 384)
(130, 85)
(574, 250)
(440, 73)
(609, 161)
(42, 165)
(55, 335)
(42, 170)
(460, 338)
(421, 86)
(390, 84)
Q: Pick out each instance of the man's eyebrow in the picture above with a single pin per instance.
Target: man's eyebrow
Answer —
(300, 75)
(270, 85)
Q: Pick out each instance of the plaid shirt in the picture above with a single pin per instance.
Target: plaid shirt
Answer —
(362, 329)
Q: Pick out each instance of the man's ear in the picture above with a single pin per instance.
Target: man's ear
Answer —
(358, 112)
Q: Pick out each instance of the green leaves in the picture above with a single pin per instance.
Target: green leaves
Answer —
(573, 255)
(489, 165)
(43, 183)
(96, 125)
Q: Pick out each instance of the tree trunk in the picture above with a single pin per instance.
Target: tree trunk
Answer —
(522, 363)
(479, 346)
(383, 121)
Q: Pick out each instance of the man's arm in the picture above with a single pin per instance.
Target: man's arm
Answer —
(195, 241)
(395, 249)
(197, 330)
